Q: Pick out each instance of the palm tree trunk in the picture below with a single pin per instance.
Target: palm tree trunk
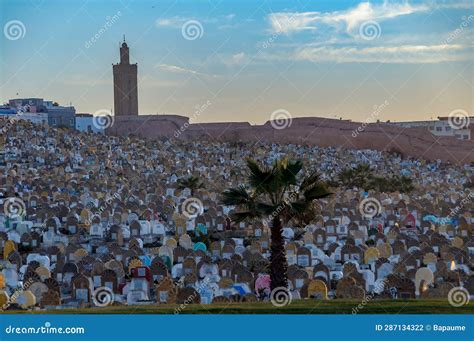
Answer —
(278, 263)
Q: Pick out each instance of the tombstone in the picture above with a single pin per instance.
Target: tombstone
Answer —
(165, 291)
(425, 275)
(108, 279)
(135, 229)
(4, 299)
(317, 289)
(9, 247)
(25, 299)
(189, 266)
(52, 284)
(321, 272)
(351, 252)
(116, 234)
(343, 287)
(291, 252)
(188, 296)
(215, 249)
(304, 257)
(221, 300)
(185, 241)
(227, 251)
(385, 250)
(69, 270)
(179, 254)
(159, 270)
(81, 289)
(298, 278)
(402, 287)
(38, 289)
(371, 255)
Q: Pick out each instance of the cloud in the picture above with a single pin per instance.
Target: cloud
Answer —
(181, 70)
(178, 21)
(235, 59)
(352, 35)
(350, 19)
(170, 22)
(414, 54)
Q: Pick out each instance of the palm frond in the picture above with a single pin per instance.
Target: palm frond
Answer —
(236, 196)
(238, 217)
(318, 191)
(268, 209)
(261, 179)
(288, 171)
(310, 181)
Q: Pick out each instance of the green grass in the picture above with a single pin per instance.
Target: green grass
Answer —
(296, 307)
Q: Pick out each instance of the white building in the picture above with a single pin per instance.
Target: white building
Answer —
(85, 122)
(38, 118)
(442, 127)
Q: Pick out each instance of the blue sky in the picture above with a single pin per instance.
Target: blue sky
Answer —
(249, 58)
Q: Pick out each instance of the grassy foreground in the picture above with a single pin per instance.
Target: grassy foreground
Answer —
(296, 307)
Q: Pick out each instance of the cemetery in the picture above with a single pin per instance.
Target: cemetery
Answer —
(101, 223)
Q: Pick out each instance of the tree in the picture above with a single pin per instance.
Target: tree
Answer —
(191, 182)
(402, 183)
(276, 195)
(363, 177)
(356, 177)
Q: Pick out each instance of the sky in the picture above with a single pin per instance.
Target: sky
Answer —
(217, 61)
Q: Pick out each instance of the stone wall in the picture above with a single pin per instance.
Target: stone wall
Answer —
(415, 142)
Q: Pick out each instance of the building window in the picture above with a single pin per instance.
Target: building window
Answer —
(71, 122)
(447, 128)
(438, 128)
(466, 137)
(53, 121)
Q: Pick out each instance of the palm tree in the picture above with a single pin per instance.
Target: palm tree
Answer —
(402, 183)
(356, 177)
(191, 182)
(276, 196)
(346, 177)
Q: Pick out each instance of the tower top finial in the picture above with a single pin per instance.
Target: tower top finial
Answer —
(124, 38)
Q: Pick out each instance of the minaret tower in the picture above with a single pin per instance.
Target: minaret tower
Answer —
(125, 84)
